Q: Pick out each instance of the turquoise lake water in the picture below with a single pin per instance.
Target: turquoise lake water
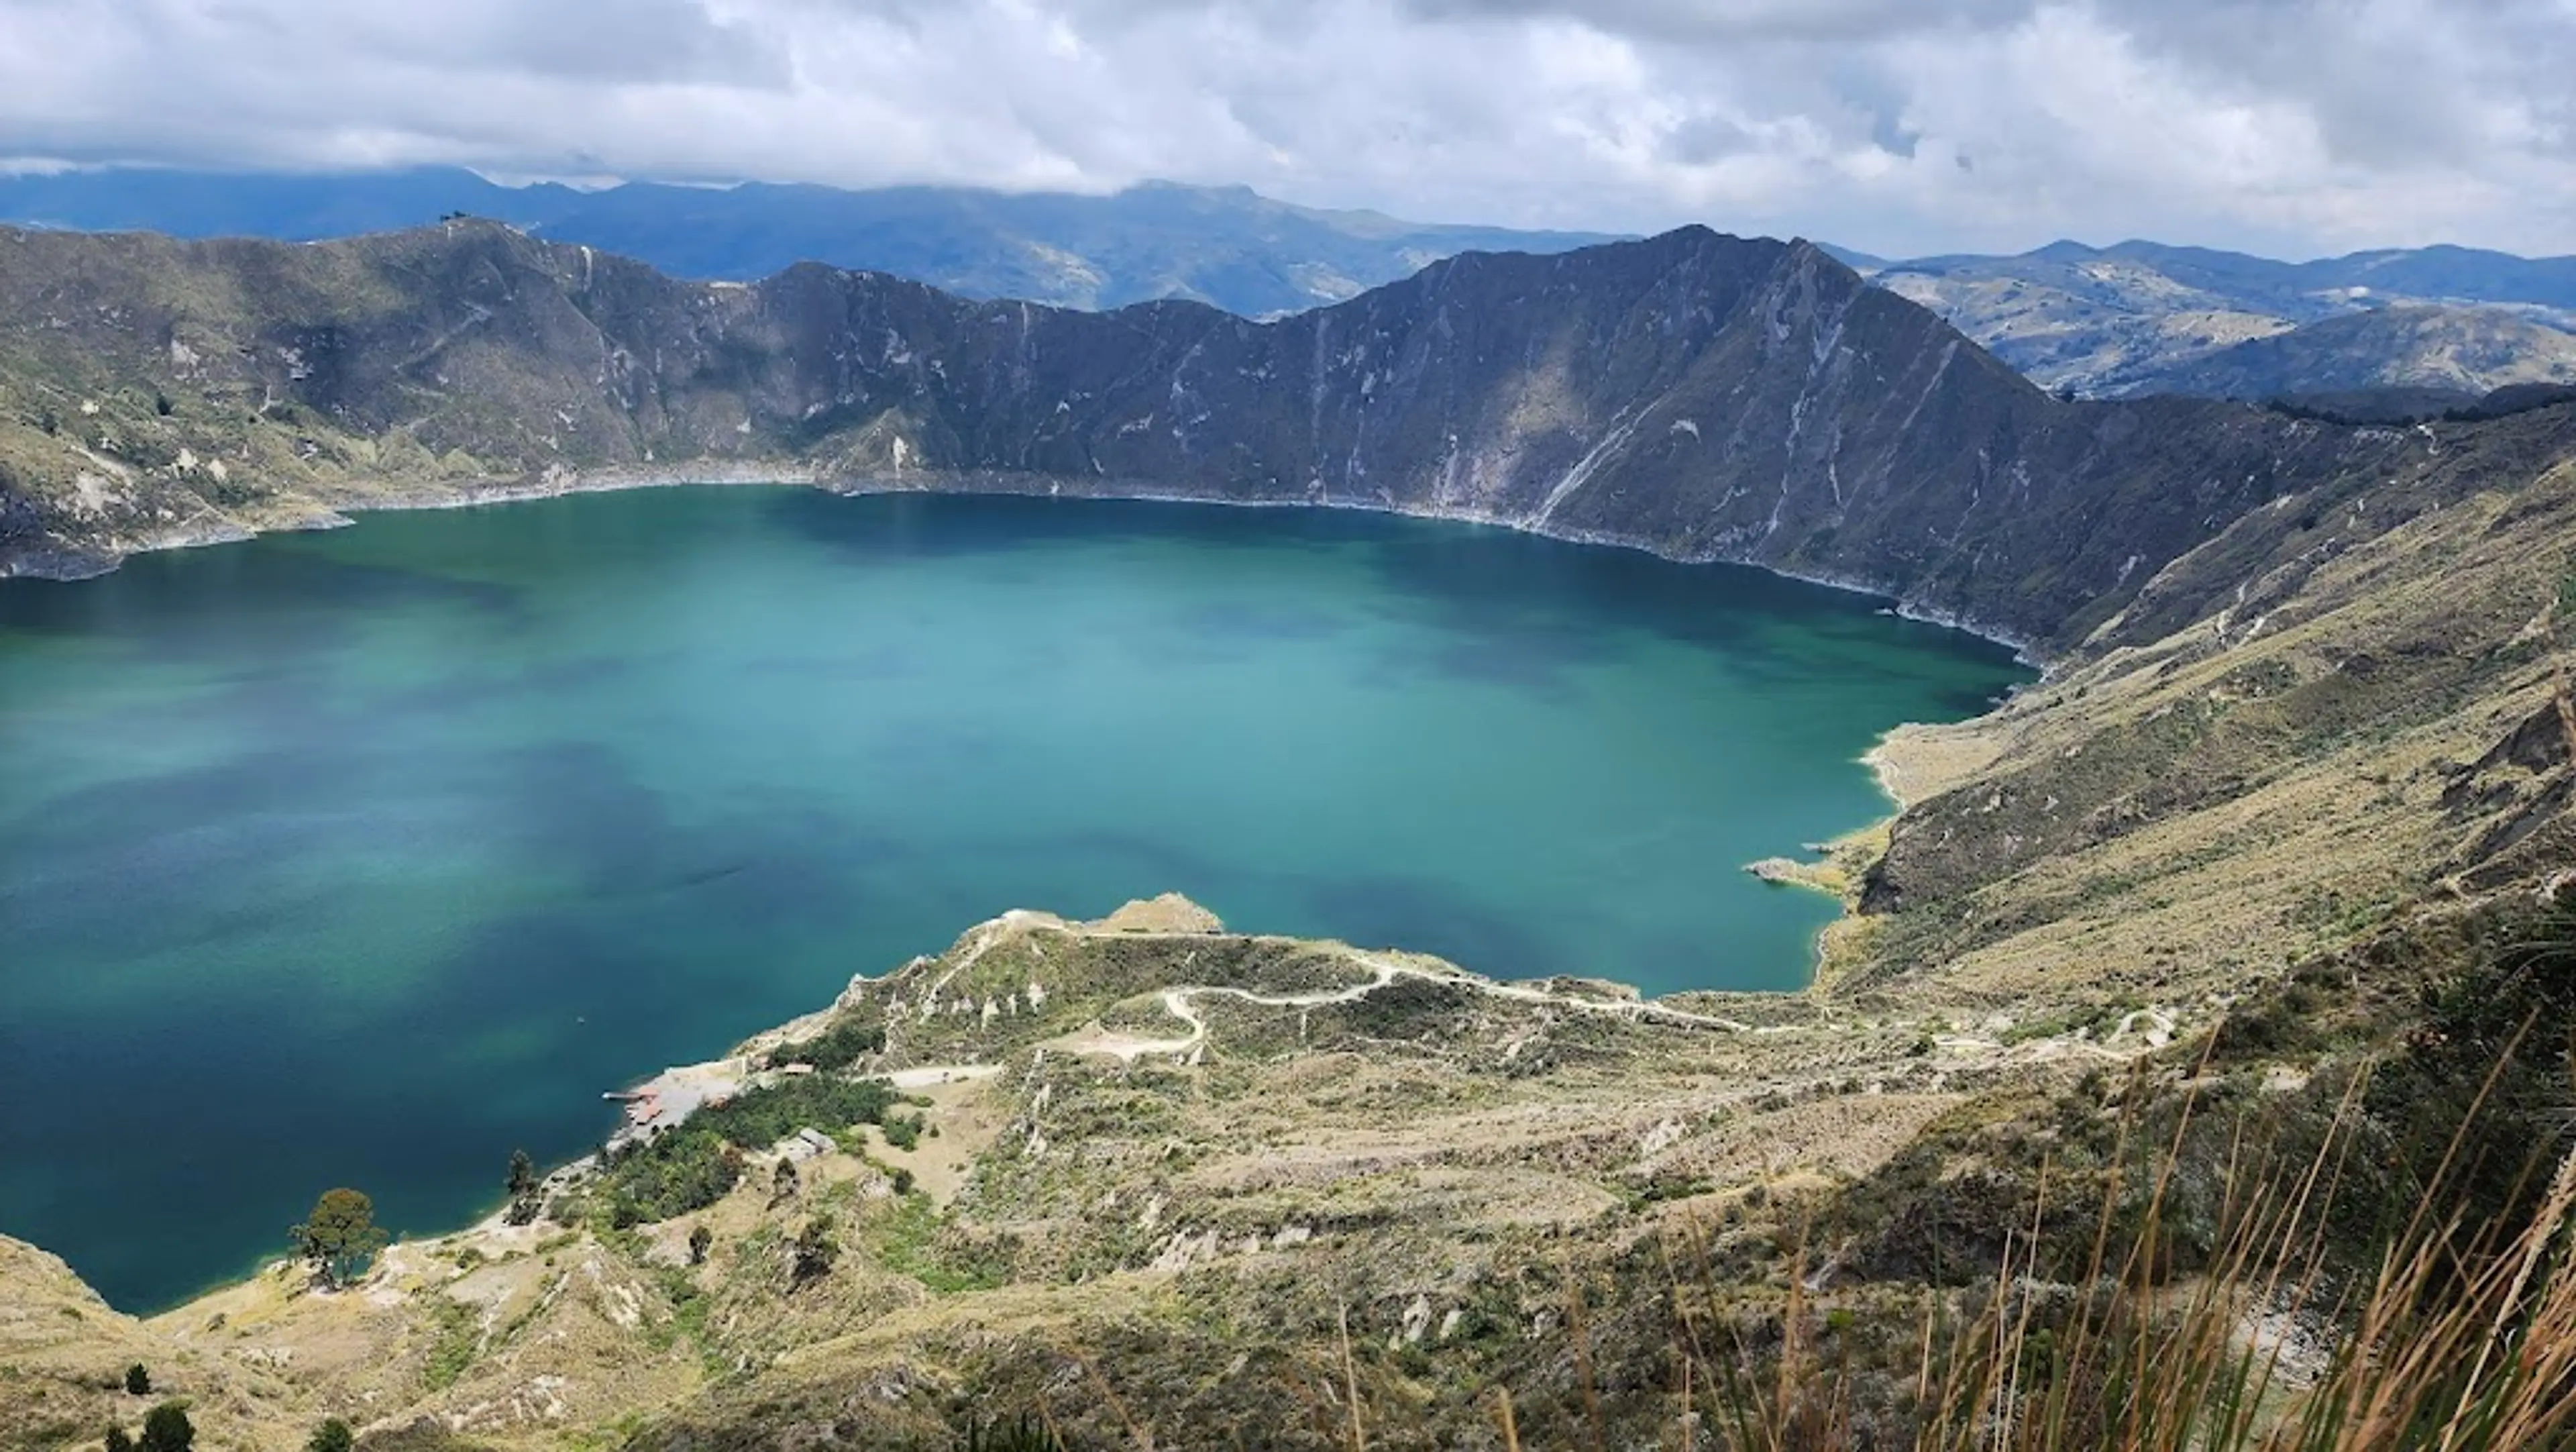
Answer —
(365, 857)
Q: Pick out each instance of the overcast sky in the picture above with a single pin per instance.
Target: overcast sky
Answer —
(1900, 126)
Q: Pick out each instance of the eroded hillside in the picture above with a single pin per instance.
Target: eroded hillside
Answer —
(2372, 722)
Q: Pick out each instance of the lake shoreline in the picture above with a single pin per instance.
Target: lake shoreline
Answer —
(331, 511)
(1815, 661)
(1894, 761)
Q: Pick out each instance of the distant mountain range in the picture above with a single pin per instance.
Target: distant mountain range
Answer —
(2442, 325)
(1225, 246)
(2142, 317)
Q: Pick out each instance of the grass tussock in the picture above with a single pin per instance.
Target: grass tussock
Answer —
(2460, 1336)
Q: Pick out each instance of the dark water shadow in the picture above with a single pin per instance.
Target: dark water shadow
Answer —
(1423, 914)
(303, 599)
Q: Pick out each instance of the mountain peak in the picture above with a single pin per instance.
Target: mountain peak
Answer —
(2063, 250)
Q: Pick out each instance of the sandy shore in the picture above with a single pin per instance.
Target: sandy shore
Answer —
(1914, 763)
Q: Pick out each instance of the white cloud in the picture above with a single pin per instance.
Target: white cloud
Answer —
(2302, 125)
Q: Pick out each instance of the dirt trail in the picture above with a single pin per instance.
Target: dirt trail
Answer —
(1179, 1003)
(931, 1075)
(985, 937)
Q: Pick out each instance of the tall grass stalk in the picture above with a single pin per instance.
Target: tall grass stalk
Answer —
(2463, 1339)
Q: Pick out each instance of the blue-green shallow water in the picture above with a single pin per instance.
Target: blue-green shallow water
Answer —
(365, 857)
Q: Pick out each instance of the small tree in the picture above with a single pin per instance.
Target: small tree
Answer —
(117, 1441)
(340, 1236)
(815, 1250)
(527, 1192)
(783, 1185)
(332, 1436)
(138, 1382)
(166, 1429)
(700, 1239)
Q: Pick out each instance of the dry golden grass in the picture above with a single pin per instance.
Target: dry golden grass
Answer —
(2464, 1339)
(2433, 640)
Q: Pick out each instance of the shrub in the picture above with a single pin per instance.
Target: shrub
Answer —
(1028, 1434)
(138, 1382)
(459, 1336)
(837, 1047)
(527, 1191)
(697, 1164)
(167, 1429)
(816, 1250)
(684, 1170)
(767, 1115)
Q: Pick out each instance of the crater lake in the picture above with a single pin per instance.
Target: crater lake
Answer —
(365, 857)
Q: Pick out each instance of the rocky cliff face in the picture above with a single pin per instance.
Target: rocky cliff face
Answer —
(1703, 396)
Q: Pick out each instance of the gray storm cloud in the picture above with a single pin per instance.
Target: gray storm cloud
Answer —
(2294, 126)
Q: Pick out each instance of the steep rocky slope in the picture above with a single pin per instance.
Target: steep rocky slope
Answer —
(2371, 722)
(1702, 396)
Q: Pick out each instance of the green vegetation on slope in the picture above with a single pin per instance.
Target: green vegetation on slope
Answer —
(693, 1166)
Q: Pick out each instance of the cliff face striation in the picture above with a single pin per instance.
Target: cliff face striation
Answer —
(1702, 396)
